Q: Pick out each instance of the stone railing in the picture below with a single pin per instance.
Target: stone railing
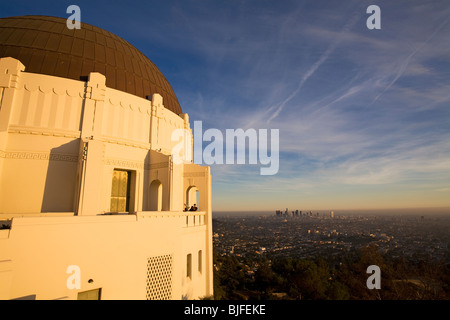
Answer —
(195, 218)
(186, 218)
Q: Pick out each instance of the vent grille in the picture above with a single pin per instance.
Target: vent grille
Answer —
(159, 277)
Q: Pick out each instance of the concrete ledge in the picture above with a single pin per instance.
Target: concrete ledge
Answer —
(47, 220)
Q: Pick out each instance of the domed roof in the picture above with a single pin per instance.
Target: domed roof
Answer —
(45, 45)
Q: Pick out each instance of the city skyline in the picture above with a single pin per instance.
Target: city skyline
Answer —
(363, 115)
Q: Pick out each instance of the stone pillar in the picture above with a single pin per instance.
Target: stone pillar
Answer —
(91, 148)
(10, 70)
(209, 246)
(187, 127)
(156, 114)
(93, 106)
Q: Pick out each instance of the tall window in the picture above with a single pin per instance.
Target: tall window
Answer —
(189, 266)
(120, 191)
(200, 258)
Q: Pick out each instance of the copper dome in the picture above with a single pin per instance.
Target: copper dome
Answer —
(45, 45)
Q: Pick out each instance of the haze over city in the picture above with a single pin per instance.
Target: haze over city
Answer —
(363, 115)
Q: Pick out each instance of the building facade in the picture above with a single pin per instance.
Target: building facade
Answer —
(92, 202)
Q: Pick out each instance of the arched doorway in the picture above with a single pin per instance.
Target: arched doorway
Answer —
(155, 196)
(192, 197)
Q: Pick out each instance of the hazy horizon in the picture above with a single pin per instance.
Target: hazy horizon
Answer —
(395, 211)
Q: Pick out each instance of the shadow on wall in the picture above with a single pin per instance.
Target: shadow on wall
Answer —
(146, 206)
(156, 196)
(29, 297)
(61, 180)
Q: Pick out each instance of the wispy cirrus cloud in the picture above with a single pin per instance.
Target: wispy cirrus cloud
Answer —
(354, 107)
(359, 111)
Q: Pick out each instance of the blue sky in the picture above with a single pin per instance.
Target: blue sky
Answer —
(364, 115)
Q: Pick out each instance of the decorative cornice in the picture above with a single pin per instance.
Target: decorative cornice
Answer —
(27, 155)
(193, 174)
(124, 142)
(135, 106)
(57, 89)
(125, 163)
(140, 165)
(44, 132)
(159, 165)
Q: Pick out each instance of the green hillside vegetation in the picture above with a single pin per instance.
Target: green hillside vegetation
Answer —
(329, 278)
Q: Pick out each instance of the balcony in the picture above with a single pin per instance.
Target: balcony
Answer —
(187, 219)
(194, 218)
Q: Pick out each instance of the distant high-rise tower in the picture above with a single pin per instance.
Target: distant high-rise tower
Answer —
(332, 214)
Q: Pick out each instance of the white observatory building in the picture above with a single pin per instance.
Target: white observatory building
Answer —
(91, 200)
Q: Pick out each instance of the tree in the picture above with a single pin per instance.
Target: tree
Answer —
(310, 279)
